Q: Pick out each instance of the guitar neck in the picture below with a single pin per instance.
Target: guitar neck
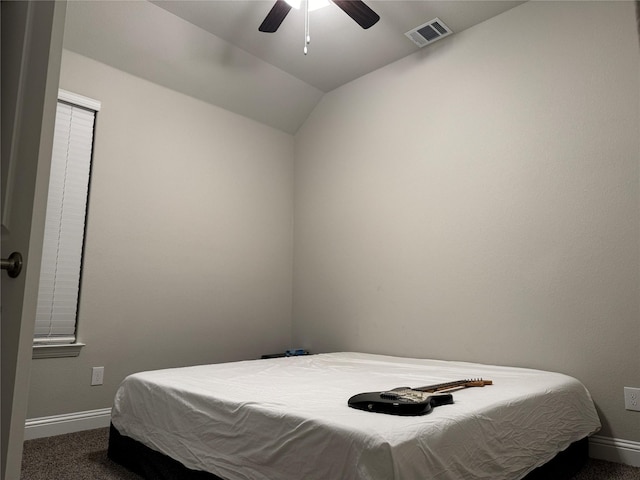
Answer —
(451, 385)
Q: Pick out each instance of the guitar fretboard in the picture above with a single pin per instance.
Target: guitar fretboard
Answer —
(475, 382)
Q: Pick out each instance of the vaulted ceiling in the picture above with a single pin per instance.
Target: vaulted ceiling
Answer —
(212, 49)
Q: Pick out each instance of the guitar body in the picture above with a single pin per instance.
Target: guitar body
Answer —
(411, 401)
(402, 405)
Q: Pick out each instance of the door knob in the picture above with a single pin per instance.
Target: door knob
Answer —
(13, 264)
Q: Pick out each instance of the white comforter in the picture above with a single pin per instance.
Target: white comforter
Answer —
(288, 419)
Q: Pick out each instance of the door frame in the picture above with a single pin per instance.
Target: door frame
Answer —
(32, 34)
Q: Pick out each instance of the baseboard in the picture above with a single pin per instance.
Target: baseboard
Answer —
(615, 450)
(66, 423)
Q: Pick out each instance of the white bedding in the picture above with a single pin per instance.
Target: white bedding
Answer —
(288, 419)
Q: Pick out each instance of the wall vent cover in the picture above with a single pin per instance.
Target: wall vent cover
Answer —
(429, 32)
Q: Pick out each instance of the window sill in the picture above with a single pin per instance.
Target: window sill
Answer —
(57, 351)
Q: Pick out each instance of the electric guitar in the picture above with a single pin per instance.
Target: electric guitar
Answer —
(412, 401)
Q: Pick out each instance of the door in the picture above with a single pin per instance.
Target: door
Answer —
(31, 51)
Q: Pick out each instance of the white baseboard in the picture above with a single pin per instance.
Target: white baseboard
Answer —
(615, 450)
(66, 423)
(602, 448)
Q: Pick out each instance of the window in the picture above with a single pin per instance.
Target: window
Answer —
(64, 226)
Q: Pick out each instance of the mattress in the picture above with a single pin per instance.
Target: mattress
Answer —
(287, 418)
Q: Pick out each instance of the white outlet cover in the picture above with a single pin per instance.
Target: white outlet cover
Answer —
(632, 398)
(97, 375)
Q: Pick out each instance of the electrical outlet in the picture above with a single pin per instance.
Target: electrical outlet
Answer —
(97, 375)
(632, 398)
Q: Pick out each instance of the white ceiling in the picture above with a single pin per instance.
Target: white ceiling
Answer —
(265, 76)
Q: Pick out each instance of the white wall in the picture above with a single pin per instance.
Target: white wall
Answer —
(188, 243)
(479, 201)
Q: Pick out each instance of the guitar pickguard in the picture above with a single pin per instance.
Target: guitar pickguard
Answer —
(407, 394)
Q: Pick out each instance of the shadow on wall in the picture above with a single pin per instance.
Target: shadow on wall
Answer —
(638, 17)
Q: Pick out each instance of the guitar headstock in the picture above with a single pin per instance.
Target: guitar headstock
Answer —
(477, 382)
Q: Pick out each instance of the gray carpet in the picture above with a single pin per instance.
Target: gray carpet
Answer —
(83, 456)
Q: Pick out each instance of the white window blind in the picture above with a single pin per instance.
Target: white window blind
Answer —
(65, 222)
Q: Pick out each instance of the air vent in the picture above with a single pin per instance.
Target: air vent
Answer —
(429, 32)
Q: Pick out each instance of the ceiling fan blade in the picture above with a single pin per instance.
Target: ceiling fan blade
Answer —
(359, 11)
(275, 17)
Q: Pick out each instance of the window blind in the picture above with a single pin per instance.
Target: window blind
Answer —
(64, 225)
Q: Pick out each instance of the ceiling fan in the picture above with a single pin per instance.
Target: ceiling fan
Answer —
(356, 9)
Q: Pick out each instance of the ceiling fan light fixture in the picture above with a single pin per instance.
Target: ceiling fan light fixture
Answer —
(313, 4)
(356, 9)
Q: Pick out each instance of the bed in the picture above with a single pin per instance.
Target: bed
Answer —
(287, 418)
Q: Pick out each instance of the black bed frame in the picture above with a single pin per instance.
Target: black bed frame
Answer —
(153, 465)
